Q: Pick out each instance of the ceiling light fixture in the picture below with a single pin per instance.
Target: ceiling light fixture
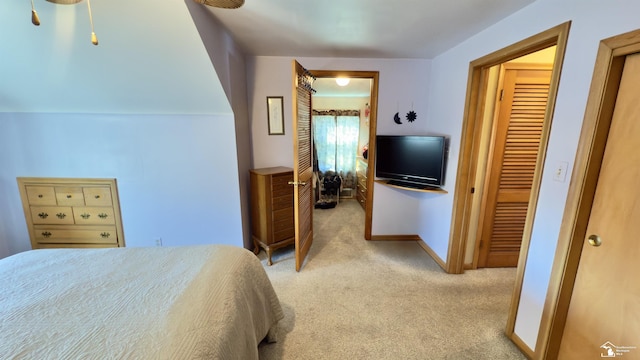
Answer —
(225, 4)
(342, 81)
(35, 19)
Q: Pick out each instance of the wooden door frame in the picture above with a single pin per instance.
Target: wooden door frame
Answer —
(469, 155)
(373, 123)
(593, 137)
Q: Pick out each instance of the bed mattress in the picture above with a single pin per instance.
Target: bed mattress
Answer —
(197, 302)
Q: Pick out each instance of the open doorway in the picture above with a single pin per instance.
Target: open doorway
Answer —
(514, 117)
(471, 156)
(335, 100)
(340, 131)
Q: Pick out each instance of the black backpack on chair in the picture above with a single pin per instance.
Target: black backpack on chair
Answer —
(331, 184)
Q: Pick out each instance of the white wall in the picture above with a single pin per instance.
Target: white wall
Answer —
(403, 86)
(167, 168)
(54, 82)
(146, 107)
(229, 62)
(592, 21)
(143, 64)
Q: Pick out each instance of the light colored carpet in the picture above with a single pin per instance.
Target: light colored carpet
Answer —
(358, 299)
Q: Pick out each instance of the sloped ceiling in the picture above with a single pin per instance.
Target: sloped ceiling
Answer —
(150, 59)
(361, 28)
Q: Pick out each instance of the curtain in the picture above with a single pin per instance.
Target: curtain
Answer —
(335, 135)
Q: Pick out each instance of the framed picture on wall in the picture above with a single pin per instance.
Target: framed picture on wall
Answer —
(275, 115)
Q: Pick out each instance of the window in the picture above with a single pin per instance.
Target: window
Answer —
(335, 135)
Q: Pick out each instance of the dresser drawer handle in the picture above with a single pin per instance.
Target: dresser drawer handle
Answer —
(103, 216)
(85, 216)
(97, 196)
(68, 196)
(43, 215)
(105, 235)
(40, 196)
(61, 215)
(46, 234)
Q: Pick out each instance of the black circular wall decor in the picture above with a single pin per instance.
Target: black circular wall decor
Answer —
(412, 116)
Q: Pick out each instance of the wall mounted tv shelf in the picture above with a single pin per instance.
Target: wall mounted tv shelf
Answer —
(419, 188)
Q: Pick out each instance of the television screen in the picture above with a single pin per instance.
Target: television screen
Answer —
(413, 161)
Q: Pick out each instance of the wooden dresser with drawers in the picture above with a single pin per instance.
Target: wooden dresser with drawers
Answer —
(361, 185)
(72, 213)
(271, 209)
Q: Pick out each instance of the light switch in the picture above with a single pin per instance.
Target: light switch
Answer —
(560, 172)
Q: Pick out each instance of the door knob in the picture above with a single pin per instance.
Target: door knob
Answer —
(297, 183)
(594, 240)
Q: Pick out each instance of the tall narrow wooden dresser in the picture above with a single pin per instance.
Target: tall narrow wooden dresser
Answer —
(271, 209)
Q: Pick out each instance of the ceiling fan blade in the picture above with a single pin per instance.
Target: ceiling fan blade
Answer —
(64, 2)
(225, 4)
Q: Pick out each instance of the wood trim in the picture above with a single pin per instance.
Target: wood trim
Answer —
(597, 120)
(415, 238)
(433, 254)
(395, 238)
(527, 46)
(561, 37)
(472, 125)
(472, 120)
(425, 189)
(465, 178)
(373, 124)
(488, 155)
(526, 350)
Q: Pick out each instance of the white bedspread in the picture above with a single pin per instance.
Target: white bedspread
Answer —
(196, 302)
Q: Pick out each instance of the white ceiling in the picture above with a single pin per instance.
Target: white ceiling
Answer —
(360, 28)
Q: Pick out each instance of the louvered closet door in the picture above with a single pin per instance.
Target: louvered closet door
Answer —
(513, 162)
(302, 168)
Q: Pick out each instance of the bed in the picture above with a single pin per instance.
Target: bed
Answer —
(209, 302)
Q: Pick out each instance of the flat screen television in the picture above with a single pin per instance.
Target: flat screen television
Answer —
(416, 161)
